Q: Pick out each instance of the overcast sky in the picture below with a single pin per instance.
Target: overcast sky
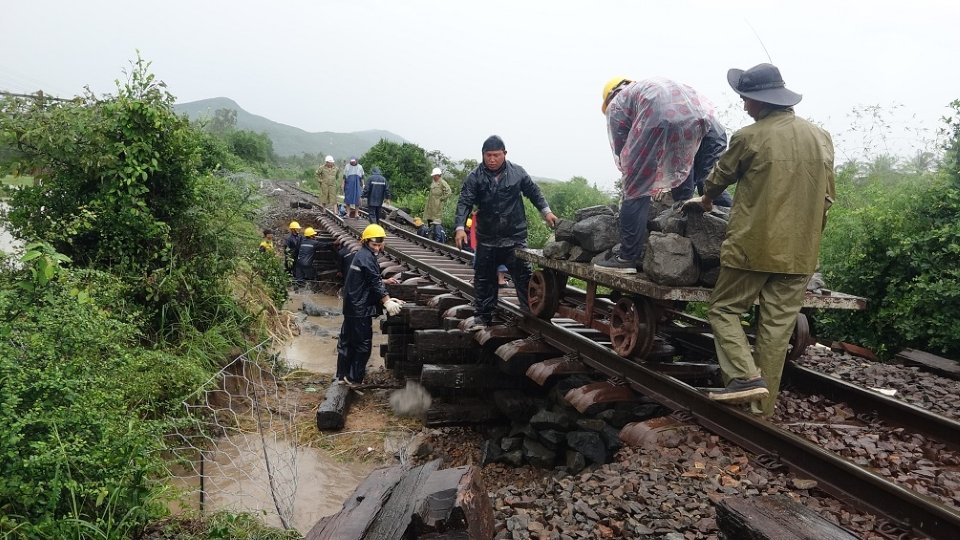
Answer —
(446, 74)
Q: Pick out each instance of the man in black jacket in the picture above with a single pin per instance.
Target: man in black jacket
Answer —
(291, 247)
(375, 192)
(363, 295)
(303, 269)
(496, 187)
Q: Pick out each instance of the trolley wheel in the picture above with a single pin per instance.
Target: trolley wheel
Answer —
(543, 293)
(632, 327)
(800, 339)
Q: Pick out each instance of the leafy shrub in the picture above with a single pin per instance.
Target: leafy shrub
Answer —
(76, 447)
(897, 244)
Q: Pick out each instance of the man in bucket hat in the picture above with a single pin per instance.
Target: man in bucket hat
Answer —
(783, 168)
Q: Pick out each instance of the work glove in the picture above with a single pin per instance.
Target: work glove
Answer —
(393, 306)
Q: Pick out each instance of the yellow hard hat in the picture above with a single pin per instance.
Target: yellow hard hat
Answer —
(417, 222)
(373, 231)
(469, 222)
(309, 232)
(294, 225)
(608, 89)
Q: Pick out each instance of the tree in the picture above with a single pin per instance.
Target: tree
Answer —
(565, 198)
(223, 121)
(121, 186)
(253, 148)
(406, 166)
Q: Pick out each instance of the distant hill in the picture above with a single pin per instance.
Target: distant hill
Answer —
(289, 140)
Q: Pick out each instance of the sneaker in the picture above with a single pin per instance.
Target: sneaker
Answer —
(617, 264)
(477, 327)
(741, 391)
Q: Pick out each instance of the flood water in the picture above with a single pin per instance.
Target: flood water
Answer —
(307, 483)
(315, 349)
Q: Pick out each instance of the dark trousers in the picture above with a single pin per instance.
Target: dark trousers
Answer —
(303, 273)
(373, 214)
(486, 261)
(353, 348)
(633, 228)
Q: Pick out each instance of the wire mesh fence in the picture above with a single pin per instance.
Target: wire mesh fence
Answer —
(236, 449)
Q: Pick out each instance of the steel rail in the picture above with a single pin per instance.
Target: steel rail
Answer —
(841, 478)
(890, 410)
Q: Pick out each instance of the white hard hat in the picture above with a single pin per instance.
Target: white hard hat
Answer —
(329, 159)
(436, 172)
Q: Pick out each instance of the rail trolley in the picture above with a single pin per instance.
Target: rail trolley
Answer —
(641, 307)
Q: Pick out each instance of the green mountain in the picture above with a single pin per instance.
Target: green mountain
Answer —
(289, 140)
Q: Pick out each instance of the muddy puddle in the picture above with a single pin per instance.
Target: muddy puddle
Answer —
(252, 472)
(315, 349)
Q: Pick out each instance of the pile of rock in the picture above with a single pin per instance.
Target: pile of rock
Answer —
(683, 249)
(560, 436)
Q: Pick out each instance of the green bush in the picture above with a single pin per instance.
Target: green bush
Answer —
(898, 244)
(78, 447)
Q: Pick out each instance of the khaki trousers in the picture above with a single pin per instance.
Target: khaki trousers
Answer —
(781, 297)
(328, 194)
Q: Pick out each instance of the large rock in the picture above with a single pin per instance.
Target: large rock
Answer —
(557, 250)
(538, 455)
(670, 260)
(597, 233)
(580, 254)
(564, 231)
(708, 276)
(670, 220)
(706, 230)
(545, 420)
(606, 255)
(590, 211)
(588, 443)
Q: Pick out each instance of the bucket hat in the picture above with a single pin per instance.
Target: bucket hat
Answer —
(763, 83)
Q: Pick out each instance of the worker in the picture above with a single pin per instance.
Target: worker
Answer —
(266, 245)
(497, 187)
(655, 128)
(433, 211)
(352, 187)
(364, 297)
(421, 227)
(327, 179)
(783, 168)
(376, 192)
(291, 246)
(303, 269)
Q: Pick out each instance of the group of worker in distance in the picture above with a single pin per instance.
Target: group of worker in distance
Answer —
(665, 138)
(355, 185)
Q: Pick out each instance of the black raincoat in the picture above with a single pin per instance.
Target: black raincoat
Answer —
(501, 220)
(363, 288)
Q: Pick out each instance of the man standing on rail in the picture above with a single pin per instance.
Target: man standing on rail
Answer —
(364, 294)
(352, 186)
(496, 187)
(656, 127)
(783, 168)
(291, 246)
(327, 179)
(376, 192)
(433, 212)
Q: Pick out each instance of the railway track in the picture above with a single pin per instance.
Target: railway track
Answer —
(440, 268)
